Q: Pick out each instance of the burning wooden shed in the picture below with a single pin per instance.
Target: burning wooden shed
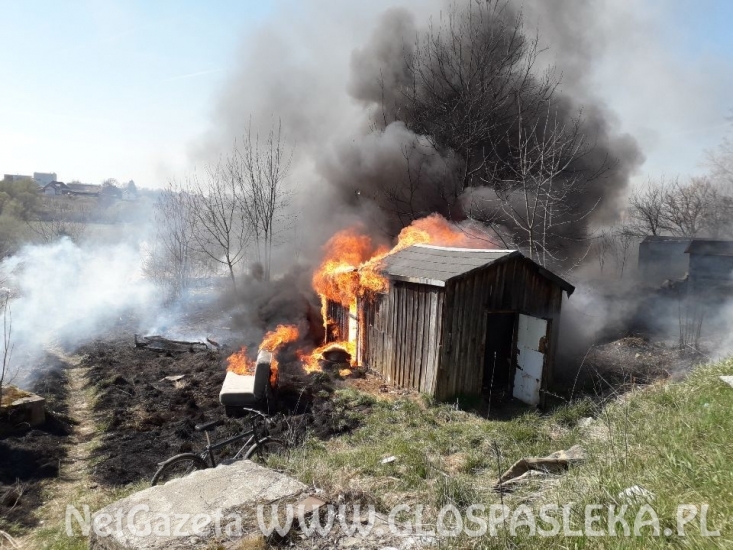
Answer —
(459, 321)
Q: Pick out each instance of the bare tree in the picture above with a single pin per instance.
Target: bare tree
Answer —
(259, 171)
(646, 208)
(687, 207)
(720, 163)
(465, 75)
(173, 260)
(59, 221)
(698, 208)
(537, 182)
(222, 229)
(7, 345)
(457, 92)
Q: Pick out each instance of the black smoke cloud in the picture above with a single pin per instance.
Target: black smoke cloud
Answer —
(332, 73)
(380, 79)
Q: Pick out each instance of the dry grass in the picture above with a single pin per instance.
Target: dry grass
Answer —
(672, 439)
(10, 394)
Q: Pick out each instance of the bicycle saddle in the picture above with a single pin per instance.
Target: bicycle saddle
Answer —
(208, 426)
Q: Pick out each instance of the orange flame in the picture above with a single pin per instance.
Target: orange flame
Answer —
(350, 268)
(338, 278)
(239, 363)
(283, 334)
(352, 265)
(311, 361)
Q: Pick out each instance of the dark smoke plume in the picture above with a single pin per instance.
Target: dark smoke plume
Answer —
(415, 160)
(365, 155)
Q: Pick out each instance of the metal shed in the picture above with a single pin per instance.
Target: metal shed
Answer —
(662, 258)
(460, 322)
(711, 267)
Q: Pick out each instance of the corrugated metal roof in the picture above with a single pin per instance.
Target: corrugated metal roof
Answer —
(434, 265)
(665, 238)
(710, 247)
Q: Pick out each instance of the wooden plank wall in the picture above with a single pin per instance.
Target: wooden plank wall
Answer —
(514, 285)
(337, 323)
(402, 334)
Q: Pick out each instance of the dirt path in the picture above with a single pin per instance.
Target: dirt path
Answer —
(74, 480)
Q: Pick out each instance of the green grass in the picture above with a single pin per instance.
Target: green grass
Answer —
(675, 440)
(54, 536)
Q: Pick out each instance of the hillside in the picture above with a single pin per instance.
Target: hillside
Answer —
(391, 447)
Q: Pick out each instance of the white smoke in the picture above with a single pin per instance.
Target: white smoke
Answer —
(64, 295)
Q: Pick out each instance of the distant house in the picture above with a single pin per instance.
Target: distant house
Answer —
(109, 191)
(55, 188)
(16, 177)
(44, 178)
(84, 189)
(129, 191)
(710, 267)
(663, 258)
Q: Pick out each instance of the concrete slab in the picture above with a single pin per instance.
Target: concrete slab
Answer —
(728, 380)
(21, 409)
(213, 505)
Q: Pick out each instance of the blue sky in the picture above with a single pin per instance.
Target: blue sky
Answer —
(93, 89)
(102, 88)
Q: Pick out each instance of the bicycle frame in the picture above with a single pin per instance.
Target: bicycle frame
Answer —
(208, 452)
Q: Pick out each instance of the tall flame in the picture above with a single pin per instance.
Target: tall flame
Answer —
(338, 278)
(239, 363)
(351, 267)
(283, 334)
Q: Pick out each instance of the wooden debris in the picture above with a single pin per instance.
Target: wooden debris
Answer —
(159, 343)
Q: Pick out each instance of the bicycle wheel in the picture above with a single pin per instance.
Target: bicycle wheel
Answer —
(178, 466)
(268, 452)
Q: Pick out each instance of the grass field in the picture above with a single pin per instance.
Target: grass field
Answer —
(672, 440)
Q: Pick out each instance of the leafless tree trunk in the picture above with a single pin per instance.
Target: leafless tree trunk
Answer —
(698, 208)
(646, 208)
(259, 171)
(59, 222)
(720, 163)
(457, 95)
(687, 207)
(536, 185)
(173, 260)
(221, 227)
(465, 74)
(7, 350)
(624, 241)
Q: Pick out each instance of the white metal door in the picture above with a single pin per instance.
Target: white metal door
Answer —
(530, 358)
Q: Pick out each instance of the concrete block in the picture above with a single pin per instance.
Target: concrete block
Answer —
(25, 409)
(183, 512)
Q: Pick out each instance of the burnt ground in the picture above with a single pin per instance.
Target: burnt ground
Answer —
(30, 458)
(146, 418)
(616, 366)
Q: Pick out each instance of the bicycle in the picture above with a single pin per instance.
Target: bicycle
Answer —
(259, 448)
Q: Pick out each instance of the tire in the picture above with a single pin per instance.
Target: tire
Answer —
(268, 451)
(178, 466)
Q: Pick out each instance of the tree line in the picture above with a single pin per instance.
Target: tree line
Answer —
(230, 211)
